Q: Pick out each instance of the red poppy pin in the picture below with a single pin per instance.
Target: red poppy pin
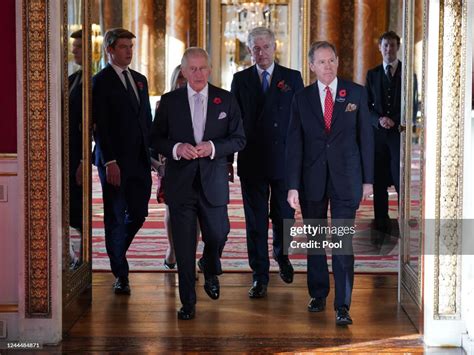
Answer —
(140, 85)
(283, 86)
(217, 100)
(342, 93)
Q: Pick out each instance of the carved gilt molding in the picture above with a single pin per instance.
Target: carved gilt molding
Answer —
(449, 151)
(36, 112)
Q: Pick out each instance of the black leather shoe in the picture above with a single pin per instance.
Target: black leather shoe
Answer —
(286, 270)
(258, 290)
(316, 304)
(186, 313)
(122, 286)
(211, 286)
(342, 316)
(169, 266)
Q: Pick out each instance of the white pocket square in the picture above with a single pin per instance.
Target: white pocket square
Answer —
(222, 115)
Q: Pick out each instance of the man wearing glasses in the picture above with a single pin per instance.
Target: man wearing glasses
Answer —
(265, 92)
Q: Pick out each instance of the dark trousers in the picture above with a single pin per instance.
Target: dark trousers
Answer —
(342, 213)
(215, 226)
(256, 194)
(125, 209)
(386, 172)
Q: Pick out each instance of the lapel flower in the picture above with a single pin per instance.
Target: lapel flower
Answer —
(342, 93)
(140, 85)
(217, 100)
(282, 86)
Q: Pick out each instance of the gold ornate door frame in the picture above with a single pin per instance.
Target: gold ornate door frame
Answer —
(39, 158)
(412, 172)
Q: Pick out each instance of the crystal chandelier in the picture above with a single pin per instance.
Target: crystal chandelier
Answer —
(243, 16)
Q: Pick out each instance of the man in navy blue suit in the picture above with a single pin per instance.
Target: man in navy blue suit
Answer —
(122, 116)
(264, 92)
(196, 128)
(330, 154)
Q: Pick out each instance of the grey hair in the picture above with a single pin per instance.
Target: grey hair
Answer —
(318, 45)
(194, 52)
(257, 32)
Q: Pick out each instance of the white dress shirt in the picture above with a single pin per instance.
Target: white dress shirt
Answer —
(322, 91)
(204, 96)
(120, 74)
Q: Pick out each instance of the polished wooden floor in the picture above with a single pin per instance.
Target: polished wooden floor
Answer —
(146, 321)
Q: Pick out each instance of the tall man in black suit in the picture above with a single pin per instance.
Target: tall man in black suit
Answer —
(122, 115)
(383, 85)
(264, 92)
(196, 128)
(330, 153)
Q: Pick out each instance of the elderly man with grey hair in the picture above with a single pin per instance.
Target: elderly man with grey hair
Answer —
(265, 92)
(196, 128)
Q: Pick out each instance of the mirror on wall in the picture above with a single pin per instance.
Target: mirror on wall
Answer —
(412, 158)
(238, 19)
(76, 148)
(230, 22)
(74, 124)
(416, 142)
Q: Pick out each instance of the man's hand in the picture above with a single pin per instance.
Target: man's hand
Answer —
(204, 149)
(386, 122)
(112, 171)
(187, 151)
(79, 174)
(230, 170)
(367, 190)
(293, 199)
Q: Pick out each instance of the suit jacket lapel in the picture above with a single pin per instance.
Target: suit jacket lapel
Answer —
(187, 117)
(379, 82)
(273, 90)
(139, 90)
(212, 111)
(339, 102)
(314, 101)
(118, 82)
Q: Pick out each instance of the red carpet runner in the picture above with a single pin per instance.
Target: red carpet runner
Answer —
(148, 248)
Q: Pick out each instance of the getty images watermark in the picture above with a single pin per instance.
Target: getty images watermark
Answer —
(315, 231)
(319, 236)
(360, 237)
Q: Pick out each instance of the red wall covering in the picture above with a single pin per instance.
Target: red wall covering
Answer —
(7, 78)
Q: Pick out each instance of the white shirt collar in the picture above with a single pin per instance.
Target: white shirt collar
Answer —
(332, 86)
(394, 65)
(269, 69)
(118, 69)
(204, 92)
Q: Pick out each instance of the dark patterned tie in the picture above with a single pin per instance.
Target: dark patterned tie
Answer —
(389, 73)
(130, 91)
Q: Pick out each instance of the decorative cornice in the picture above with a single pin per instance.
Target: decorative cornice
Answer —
(36, 156)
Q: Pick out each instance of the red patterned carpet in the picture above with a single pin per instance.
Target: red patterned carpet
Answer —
(148, 248)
